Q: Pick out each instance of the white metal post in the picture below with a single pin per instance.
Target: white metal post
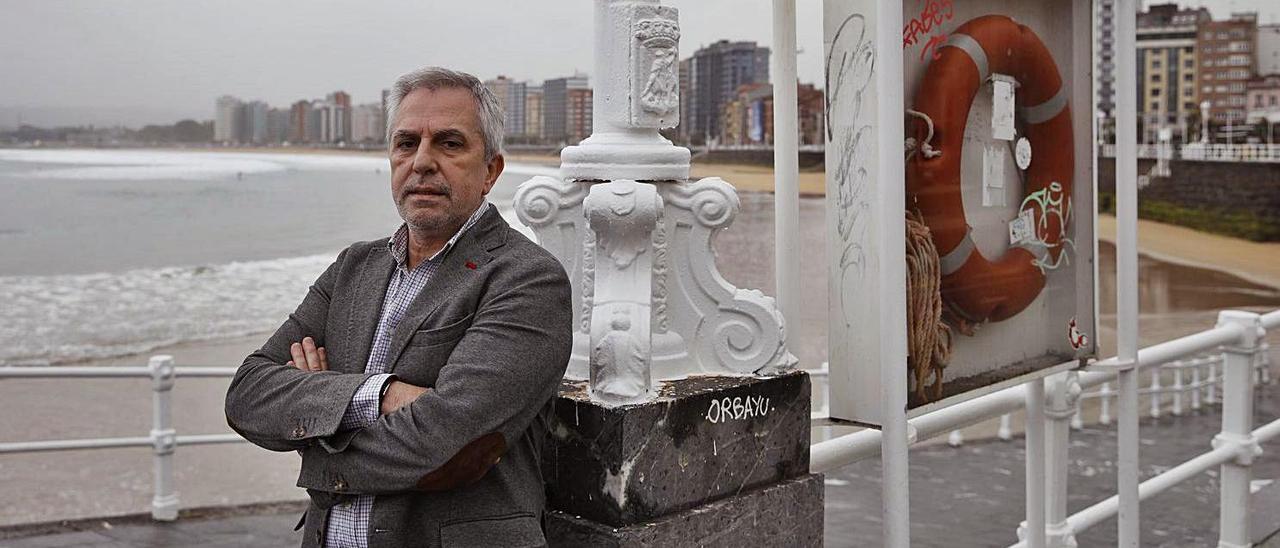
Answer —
(1127, 270)
(891, 169)
(1177, 390)
(786, 162)
(1237, 429)
(1035, 457)
(1104, 409)
(164, 502)
(1005, 430)
(1155, 392)
(1211, 383)
(1061, 407)
(1195, 384)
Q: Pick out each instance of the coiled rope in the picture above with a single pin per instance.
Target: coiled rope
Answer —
(928, 337)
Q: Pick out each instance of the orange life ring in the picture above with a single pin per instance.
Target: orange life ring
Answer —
(979, 289)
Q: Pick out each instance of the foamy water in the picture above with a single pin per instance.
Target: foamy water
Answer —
(58, 319)
(108, 253)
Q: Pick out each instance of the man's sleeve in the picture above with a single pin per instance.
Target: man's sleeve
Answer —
(499, 376)
(365, 404)
(282, 408)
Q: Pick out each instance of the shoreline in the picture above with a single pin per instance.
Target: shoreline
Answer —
(1255, 262)
(1258, 263)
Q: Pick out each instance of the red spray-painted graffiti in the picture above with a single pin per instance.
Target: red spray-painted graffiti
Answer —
(932, 14)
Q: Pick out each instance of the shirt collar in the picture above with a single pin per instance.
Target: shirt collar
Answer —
(398, 245)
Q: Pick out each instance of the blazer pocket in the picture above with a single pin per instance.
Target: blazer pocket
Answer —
(520, 529)
(438, 335)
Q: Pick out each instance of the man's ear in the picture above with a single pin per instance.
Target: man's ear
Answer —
(495, 167)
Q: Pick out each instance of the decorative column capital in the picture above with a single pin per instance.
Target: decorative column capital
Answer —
(636, 93)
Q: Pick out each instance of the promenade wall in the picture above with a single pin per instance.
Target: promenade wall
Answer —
(1231, 198)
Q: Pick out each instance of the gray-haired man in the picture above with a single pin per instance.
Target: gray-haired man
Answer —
(416, 376)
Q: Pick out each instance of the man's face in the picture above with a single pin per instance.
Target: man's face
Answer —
(438, 172)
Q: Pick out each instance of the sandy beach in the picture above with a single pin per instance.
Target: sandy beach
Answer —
(1258, 262)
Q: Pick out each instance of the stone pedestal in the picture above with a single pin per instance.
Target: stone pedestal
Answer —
(710, 460)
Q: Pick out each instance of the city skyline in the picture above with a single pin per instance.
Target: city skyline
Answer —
(140, 72)
(177, 69)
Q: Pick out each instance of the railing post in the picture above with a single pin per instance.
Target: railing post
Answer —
(1263, 358)
(1237, 429)
(1005, 431)
(1031, 531)
(164, 502)
(1155, 392)
(1195, 383)
(1061, 406)
(1177, 390)
(1211, 382)
(1104, 409)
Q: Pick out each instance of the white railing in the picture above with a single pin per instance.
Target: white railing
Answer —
(1231, 153)
(1238, 339)
(1240, 362)
(162, 439)
(1258, 153)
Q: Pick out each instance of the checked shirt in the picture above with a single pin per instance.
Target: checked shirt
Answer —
(349, 521)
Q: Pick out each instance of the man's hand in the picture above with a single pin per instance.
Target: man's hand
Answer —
(399, 394)
(307, 357)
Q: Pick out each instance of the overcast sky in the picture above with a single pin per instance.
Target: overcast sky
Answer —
(151, 61)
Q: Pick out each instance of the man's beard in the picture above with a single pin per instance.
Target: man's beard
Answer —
(427, 220)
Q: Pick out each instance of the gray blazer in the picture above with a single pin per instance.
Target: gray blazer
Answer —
(492, 343)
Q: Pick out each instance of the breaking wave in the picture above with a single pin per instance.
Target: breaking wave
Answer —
(48, 320)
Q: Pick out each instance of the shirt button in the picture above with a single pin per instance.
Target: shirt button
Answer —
(299, 432)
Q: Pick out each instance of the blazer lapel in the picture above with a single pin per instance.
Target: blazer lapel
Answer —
(375, 275)
(473, 247)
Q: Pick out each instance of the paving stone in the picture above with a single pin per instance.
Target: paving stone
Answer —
(56, 540)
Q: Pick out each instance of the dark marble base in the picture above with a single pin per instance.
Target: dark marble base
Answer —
(784, 514)
(700, 440)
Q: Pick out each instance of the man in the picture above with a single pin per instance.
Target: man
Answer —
(416, 376)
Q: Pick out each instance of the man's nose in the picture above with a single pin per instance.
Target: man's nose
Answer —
(424, 160)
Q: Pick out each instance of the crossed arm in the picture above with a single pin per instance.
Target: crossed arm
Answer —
(396, 394)
(499, 376)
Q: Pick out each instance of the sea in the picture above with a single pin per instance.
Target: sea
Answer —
(107, 253)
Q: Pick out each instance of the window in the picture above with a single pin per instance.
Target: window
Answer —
(1155, 77)
(1155, 105)
(1188, 77)
(1155, 92)
(1273, 100)
(1155, 63)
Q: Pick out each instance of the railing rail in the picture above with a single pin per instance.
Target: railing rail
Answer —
(163, 439)
(1243, 362)
(1202, 152)
(1239, 336)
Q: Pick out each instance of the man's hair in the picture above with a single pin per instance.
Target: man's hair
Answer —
(434, 78)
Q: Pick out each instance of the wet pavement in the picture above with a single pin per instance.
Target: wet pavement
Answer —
(1176, 301)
